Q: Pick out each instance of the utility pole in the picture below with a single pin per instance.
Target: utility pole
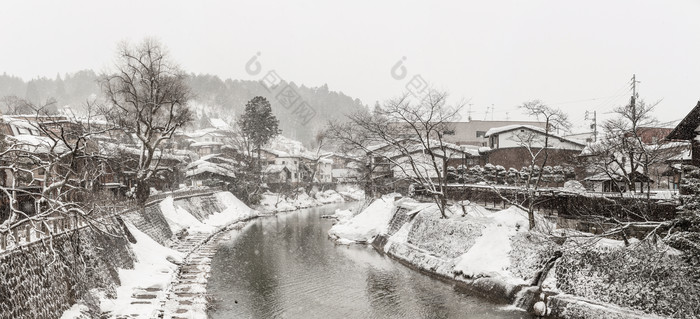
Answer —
(469, 113)
(633, 100)
(633, 106)
(593, 126)
(492, 109)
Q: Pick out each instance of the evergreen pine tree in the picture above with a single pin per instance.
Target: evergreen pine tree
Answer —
(258, 124)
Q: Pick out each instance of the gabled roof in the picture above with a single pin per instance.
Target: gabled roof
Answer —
(508, 128)
(497, 130)
(685, 130)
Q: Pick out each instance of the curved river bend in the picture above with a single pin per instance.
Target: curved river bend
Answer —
(286, 267)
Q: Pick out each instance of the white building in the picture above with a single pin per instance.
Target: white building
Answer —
(528, 136)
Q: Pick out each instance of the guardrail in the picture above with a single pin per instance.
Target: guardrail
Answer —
(28, 231)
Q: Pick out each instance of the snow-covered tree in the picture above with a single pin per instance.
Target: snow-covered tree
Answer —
(50, 167)
(147, 98)
(407, 136)
(537, 145)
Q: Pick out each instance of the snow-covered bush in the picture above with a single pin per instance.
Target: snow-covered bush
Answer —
(529, 254)
(647, 276)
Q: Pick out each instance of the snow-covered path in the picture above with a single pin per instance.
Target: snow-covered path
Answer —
(187, 295)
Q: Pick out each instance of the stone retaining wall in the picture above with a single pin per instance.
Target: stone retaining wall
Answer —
(150, 220)
(45, 278)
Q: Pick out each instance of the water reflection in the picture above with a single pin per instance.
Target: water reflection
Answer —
(285, 267)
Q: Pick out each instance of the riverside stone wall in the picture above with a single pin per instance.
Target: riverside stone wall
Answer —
(201, 207)
(150, 220)
(43, 279)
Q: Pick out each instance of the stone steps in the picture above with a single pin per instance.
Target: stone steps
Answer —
(186, 296)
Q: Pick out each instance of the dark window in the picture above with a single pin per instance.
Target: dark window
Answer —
(480, 133)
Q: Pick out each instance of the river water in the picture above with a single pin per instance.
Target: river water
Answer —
(286, 267)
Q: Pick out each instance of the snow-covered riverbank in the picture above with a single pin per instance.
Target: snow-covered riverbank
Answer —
(144, 289)
(150, 288)
(276, 202)
(494, 254)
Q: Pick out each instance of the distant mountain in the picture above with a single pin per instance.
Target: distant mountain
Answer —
(214, 98)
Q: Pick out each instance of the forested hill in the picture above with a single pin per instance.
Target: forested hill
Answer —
(213, 98)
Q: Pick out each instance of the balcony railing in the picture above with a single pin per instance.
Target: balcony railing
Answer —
(28, 231)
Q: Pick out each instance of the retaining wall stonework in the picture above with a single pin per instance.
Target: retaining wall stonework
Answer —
(43, 279)
(150, 220)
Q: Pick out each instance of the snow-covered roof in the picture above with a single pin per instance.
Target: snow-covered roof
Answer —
(213, 158)
(37, 144)
(19, 122)
(109, 147)
(211, 131)
(501, 129)
(507, 128)
(219, 124)
(277, 153)
(275, 168)
(207, 167)
(202, 144)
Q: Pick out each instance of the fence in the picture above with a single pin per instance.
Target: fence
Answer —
(28, 231)
(574, 206)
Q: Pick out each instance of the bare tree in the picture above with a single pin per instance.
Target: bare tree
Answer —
(632, 145)
(12, 104)
(319, 141)
(50, 167)
(406, 137)
(147, 98)
(537, 143)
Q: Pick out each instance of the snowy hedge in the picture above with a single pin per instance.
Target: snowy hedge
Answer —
(652, 279)
(529, 254)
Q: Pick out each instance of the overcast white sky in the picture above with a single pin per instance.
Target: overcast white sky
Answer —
(490, 52)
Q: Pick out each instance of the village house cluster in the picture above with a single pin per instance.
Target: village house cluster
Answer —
(476, 151)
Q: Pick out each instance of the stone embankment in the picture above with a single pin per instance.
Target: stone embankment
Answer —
(151, 262)
(493, 254)
(75, 272)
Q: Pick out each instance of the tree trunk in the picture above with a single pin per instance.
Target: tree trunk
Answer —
(141, 192)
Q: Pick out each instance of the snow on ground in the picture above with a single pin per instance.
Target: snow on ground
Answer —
(235, 210)
(275, 202)
(367, 224)
(343, 214)
(489, 254)
(352, 194)
(179, 219)
(152, 270)
(76, 311)
(329, 196)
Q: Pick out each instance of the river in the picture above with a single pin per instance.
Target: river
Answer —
(286, 267)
